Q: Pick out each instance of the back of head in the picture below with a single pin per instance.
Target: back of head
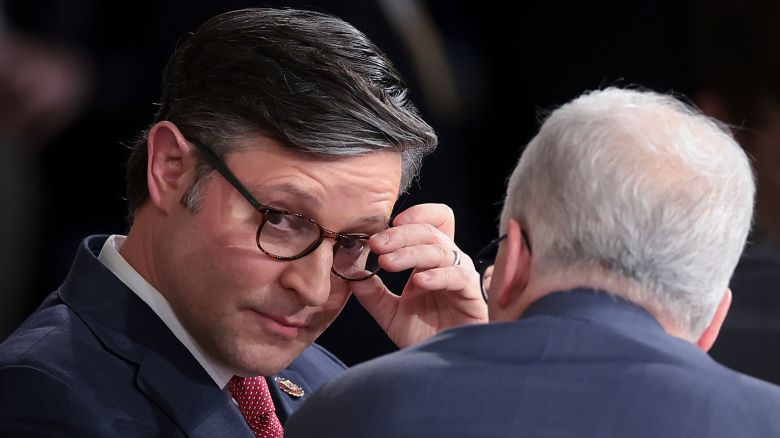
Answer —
(637, 189)
(308, 80)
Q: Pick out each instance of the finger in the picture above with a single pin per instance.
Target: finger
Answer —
(402, 236)
(440, 216)
(422, 257)
(454, 278)
(378, 301)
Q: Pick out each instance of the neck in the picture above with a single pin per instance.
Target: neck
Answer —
(139, 251)
(540, 287)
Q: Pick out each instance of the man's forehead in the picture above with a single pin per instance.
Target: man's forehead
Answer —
(296, 191)
(268, 168)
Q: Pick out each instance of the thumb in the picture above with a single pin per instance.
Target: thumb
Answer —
(378, 301)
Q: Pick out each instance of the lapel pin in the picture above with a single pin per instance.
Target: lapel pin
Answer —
(289, 387)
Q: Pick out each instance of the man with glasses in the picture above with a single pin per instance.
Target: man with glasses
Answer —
(260, 198)
(622, 223)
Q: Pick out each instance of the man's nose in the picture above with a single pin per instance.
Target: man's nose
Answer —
(310, 275)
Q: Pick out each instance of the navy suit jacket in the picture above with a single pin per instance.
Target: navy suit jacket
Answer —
(577, 364)
(95, 360)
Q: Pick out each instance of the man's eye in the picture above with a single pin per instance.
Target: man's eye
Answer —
(284, 221)
(353, 245)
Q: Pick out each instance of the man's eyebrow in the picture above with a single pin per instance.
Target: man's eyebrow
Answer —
(374, 222)
(290, 189)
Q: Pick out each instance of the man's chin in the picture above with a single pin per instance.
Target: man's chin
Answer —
(268, 358)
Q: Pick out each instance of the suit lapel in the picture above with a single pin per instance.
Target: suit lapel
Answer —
(172, 378)
(167, 373)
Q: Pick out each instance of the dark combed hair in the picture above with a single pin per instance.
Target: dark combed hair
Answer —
(308, 80)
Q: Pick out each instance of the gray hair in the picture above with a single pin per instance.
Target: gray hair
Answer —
(641, 187)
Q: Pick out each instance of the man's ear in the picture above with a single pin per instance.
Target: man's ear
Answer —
(711, 332)
(516, 267)
(170, 165)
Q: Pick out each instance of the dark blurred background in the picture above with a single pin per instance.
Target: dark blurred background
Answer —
(79, 78)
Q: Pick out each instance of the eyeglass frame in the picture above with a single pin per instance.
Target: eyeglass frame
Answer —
(487, 248)
(219, 165)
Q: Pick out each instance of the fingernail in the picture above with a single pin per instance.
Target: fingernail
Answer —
(380, 238)
(392, 255)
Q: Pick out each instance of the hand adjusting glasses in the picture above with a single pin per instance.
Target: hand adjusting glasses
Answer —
(285, 235)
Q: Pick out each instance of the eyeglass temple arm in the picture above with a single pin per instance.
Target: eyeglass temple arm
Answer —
(218, 164)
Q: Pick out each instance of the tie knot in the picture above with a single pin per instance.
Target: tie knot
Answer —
(257, 407)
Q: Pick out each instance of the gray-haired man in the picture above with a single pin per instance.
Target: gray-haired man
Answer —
(622, 224)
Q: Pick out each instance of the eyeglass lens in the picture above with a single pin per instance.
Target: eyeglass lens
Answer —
(288, 236)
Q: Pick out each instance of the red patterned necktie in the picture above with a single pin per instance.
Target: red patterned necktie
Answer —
(254, 401)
